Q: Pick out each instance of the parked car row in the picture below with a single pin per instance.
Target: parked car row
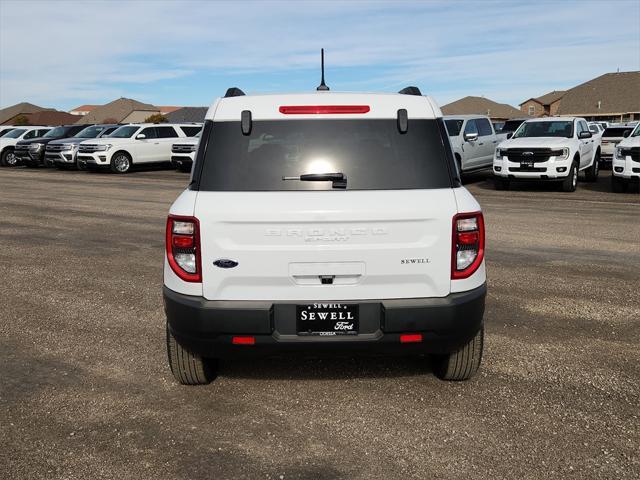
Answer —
(113, 146)
(552, 149)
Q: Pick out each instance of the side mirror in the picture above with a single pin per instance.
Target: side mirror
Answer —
(584, 134)
(470, 137)
(626, 133)
(141, 136)
(509, 135)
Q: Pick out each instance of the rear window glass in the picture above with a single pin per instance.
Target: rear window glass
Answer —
(616, 131)
(191, 131)
(511, 125)
(372, 154)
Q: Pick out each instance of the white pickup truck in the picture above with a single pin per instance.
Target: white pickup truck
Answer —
(548, 149)
(473, 141)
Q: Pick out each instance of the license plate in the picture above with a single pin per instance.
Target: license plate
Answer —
(526, 164)
(327, 319)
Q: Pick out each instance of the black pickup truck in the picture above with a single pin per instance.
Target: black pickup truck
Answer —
(31, 152)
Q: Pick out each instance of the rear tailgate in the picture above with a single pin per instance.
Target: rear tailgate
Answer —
(370, 244)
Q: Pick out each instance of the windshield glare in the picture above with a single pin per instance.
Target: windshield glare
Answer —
(545, 129)
(56, 132)
(15, 133)
(124, 132)
(636, 132)
(453, 127)
(90, 132)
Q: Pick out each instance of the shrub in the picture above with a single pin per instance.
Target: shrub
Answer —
(21, 120)
(156, 118)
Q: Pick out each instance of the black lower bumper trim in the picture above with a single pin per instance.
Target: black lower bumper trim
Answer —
(207, 327)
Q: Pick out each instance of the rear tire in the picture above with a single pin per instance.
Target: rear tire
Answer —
(618, 185)
(185, 168)
(501, 183)
(189, 368)
(463, 363)
(570, 183)
(591, 173)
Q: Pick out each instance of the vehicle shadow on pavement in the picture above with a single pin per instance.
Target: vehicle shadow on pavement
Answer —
(321, 368)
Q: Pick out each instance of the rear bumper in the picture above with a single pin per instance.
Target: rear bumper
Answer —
(207, 327)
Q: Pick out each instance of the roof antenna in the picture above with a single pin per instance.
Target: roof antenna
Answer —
(322, 87)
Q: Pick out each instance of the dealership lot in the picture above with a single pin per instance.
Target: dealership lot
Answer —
(85, 390)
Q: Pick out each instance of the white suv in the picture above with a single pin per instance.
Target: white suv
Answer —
(183, 153)
(626, 162)
(548, 149)
(324, 222)
(8, 142)
(132, 144)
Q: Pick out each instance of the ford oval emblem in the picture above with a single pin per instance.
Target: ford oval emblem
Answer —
(225, 263)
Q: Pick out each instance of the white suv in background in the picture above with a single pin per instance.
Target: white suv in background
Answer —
(8, 142)
(626, 162)
(132, 144)
(183, 153)
(324, 222)
(548, 149)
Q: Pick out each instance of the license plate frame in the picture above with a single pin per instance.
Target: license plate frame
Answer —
(328, 319)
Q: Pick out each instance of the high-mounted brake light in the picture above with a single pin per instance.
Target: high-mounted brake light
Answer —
(467, 250)
(323, 109)
(183, 247)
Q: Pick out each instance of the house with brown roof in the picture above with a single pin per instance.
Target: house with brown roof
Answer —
(51, 118)
(544, 106)
(9, 114)
(122, 110)
(481, 106)
(83, 109)
(609, 97)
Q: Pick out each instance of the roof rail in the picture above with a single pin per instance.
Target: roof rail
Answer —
(411, 91)
(233, 92)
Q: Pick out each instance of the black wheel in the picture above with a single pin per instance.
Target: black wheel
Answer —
(8, 158)
(121, 162)
(80, 165)
(570, 183)
(189, 368)
(184, 168)
(501, 183)
(463, 363)
(618, 185)
(591, 173)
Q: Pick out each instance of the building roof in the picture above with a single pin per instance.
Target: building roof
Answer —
(51, 117)
(19, 109)
(117, 110)
(84, 108)
(611, 93)
(480, 106)
(547, 98)
(165, 109)
(187, 114)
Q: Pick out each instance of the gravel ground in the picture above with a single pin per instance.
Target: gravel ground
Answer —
(85, 391)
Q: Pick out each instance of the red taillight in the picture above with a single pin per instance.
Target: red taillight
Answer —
(243, 340)
(323, 109)
(411, 338)
(183, 241)
(467, 250)
(183, 247)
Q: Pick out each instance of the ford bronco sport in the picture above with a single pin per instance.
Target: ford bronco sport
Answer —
(324, 223)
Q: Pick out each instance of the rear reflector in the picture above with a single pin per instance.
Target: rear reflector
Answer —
(243, 340)
(323, 109)
(411, 338)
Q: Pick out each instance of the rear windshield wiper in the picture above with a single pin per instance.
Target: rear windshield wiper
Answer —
(338, 179)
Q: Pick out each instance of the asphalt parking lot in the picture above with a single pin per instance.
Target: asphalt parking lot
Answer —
(85, 391)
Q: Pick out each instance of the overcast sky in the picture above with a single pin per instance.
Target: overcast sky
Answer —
(66, 53)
